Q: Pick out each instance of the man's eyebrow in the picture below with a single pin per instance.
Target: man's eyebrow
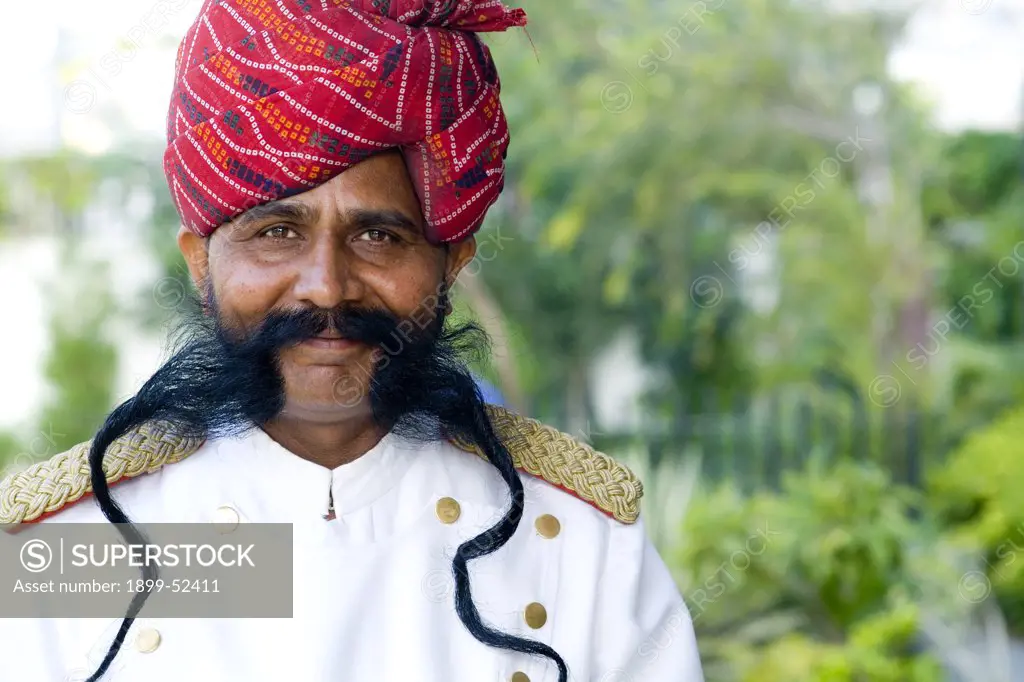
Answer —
(366, 218)
(290, 210)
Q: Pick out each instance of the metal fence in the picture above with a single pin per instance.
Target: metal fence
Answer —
(754, 441)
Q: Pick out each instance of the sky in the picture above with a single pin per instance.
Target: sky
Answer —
(967, 55)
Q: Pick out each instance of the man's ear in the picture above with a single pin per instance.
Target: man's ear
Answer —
(197, 256)
(460, 254)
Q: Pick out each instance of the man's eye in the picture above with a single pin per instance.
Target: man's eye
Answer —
(378, 236)
(279, 232)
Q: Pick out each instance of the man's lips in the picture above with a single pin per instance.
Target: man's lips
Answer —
(331, 342)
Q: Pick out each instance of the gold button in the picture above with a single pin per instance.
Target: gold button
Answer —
(448, 510)
(547, 526)
(520, 677)
(226, 519)
(147, 641)
(536, 615)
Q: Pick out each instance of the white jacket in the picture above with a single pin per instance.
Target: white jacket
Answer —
(372, 590)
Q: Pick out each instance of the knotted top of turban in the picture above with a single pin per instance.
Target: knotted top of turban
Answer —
(275, 97)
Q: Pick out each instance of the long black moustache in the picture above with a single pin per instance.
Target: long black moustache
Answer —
(431, 391)
(221, 383)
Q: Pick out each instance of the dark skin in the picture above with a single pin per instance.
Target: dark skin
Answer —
(355, 240)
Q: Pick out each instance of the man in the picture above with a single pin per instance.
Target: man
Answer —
(331, 161)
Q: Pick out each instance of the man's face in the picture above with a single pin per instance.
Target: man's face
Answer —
(356, 241)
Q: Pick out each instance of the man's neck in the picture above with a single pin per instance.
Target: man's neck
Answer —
(329, 444)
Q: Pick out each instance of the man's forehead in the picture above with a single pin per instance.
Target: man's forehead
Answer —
(306, 212)
(379, 184)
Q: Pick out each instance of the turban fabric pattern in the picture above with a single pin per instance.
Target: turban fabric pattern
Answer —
(275, 97)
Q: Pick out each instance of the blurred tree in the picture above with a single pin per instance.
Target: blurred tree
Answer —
(6, 217)
(973, 202)
(694, 131)
(10, 447)
(979, 172)
(82, 363)
(65, 181)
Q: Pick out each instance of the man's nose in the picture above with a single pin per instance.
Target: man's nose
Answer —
(327, 278)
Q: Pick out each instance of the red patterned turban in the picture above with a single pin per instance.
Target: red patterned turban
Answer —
(275, 97)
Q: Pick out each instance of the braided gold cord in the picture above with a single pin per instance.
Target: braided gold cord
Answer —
(545, 452)
(46, 487)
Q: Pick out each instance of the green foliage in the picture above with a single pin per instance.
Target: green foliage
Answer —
(67, 179)
(10, 446)
(822, 582)
(875, 652)
(978, 497)
(979, 171)
(5, 210)
(974, 205)
(82, 362)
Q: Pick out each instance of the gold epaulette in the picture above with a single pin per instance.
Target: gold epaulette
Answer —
(561, 460)
(47, 487)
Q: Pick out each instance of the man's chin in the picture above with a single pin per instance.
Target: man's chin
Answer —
(326, 388)
(326, 412)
